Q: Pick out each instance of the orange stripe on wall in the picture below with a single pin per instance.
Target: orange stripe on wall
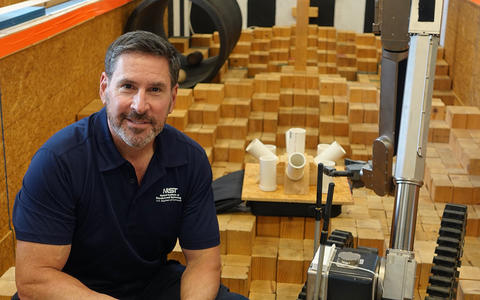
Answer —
(35, 34)
(476, 1)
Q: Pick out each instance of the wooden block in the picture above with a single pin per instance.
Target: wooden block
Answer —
(178, 119)
(242, 108)
(468, 290)
(255, 122)
(442, 188)
(236, 151)
(369, 94)
(469, 272)
(201, 40)
(220, 150)
(298, 116)
(299, 97)
(456, 116)
(326, 106)
(227, 108)
(254, 69)
(355, 93)
(264, 262)
(184, 98)
(238, 60)
(268, 287)
(340, 126)
(271, 103)
(290, 265)
(462, 190)
(370, 113)
(268, 226)
(356, 112)
(442, 82)
(237, 279)
(211, 113)
(309, 228)
(292, 227)
(312, 119)
(473, 118)
(288, 291)
(371, 238)
(206, 135)
(240, 234)
(261, 296)
(222, 225)
(270, 121)
(241, 48)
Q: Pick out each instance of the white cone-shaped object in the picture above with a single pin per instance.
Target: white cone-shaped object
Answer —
(268, 173)
(333, 152)
(296, 164)
(295, 140)
(258, 149)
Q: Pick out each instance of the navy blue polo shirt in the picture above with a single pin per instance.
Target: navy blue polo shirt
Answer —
(79, 190)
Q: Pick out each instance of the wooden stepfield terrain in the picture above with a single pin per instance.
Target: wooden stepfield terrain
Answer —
(259, 94)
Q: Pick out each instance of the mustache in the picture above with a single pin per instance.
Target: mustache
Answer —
(133, 115)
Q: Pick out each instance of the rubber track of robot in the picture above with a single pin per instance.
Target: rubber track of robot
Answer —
(341, 239)
(443, 280)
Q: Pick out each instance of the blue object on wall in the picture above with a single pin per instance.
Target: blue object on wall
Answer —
(20, 15)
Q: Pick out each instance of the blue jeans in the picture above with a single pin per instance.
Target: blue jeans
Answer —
(165, 285)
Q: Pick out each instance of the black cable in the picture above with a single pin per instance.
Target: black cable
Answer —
(5, 170)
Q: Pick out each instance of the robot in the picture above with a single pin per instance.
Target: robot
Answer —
(410, 36)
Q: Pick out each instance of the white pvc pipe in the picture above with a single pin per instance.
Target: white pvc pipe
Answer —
(296, 165)
(272, 148)
(326, 179)
(268, 173)
(321, 147)
(295, 140)
(258, 149)
(333, 152)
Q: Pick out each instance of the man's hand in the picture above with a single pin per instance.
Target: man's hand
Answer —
(38, 274)
(201, 278)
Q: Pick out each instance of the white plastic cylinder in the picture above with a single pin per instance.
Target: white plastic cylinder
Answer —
(326, 179)
(333, 152)
(258, 149)
(321, 147)
(295, 140)
(272, 148)
(296, 165)
(268, 173)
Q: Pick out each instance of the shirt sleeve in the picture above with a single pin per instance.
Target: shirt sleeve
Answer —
(44, 209)
(199, 229)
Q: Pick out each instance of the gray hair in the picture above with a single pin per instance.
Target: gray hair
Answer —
(143, 42)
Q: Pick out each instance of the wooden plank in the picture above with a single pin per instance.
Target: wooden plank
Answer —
(251, 191)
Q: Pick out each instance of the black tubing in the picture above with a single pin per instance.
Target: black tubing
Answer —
(226, 17)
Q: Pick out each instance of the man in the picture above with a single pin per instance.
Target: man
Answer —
(105, 199)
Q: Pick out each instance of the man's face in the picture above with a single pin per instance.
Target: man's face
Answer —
(138, 98)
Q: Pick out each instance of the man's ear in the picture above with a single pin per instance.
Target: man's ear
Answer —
(103, 87)
(174, 98)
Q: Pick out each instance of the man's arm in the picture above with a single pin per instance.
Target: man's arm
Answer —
(39, 276)
(201, 278)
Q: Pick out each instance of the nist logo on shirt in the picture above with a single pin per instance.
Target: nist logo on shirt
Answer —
(168, 195)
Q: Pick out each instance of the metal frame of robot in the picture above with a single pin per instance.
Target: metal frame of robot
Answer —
(406, 33)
